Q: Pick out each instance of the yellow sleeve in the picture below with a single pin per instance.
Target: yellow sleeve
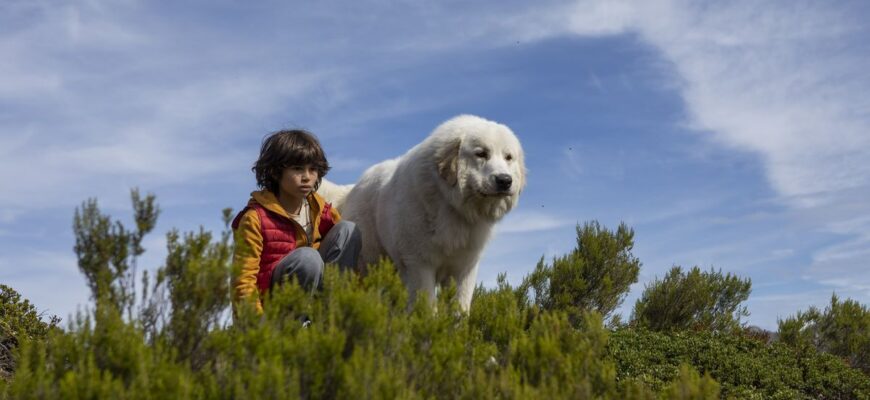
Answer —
(246, 260)
(336, 216)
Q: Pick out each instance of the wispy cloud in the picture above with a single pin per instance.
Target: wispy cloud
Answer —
(777, 79)
(50, 279)
(783, 80)
(98, 94)
(782, 86)
(95, 91)
(531, 221)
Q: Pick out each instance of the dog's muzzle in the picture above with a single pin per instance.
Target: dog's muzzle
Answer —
(503, 182)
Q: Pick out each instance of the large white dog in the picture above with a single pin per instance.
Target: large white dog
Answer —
(432, 210)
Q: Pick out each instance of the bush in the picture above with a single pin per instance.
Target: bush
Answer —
(842, 329)
(365, 342)
(107, 250)
(691, 385)
(693, 300)
(744, 368)
(595, 276)
(19, 321)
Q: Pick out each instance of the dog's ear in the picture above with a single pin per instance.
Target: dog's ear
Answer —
(447, 159)
(522, 171)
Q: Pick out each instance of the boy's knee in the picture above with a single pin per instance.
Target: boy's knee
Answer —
(310, 262)
(349, 232)
(347, 228)
(304, 263)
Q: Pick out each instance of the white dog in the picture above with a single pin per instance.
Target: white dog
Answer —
(432, 209)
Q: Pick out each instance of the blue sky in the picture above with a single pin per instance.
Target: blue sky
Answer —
(733, 135)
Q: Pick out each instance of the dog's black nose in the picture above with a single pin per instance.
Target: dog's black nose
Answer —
(503, 182)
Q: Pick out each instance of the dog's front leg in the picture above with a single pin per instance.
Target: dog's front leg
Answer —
(465, 288)
(420, 281)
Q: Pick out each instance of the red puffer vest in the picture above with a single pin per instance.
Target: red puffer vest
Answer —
(281, 235)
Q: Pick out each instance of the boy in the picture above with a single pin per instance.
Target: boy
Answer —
(288, 230)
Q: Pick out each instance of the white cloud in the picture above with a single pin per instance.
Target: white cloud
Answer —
(531, 221)
(768, 87)
(98, 97)
(784, 80)
(104, 94)
(50, 280)
(597, 18)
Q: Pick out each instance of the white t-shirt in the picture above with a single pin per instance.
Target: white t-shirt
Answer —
(304, 218)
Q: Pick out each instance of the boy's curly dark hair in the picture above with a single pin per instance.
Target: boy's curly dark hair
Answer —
(284, 149)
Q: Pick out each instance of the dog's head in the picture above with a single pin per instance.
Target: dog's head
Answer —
(482, 163)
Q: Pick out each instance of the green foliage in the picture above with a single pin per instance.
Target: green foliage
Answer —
(691, 385)
(743, 367)
(197, 279)
(842, 329)
(694, 300)
(595, 276)
(363, 343)
(366, 342)
(107, 250)
(19, 321)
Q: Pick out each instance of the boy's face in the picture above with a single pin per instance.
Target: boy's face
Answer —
(297, 181)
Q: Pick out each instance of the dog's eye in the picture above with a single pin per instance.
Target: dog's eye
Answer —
(481, 153)
(508, 157)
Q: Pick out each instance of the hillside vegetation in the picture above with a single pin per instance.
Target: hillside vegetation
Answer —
(554, 335)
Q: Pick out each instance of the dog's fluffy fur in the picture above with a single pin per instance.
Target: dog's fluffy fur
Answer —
(432, 210)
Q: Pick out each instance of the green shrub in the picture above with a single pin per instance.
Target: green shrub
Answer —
(842, 329)
(694, 300)
(107, 250)
(19, 321)
(744, 368)
(595, 276)
(365, 342)
(691, 385)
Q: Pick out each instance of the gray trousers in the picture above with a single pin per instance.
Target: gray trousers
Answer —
(341, 246)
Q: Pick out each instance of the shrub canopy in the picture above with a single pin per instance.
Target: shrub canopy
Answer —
(842, 329)
(366, 342)
(695, 299)
(19, 321)
(595, 276)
